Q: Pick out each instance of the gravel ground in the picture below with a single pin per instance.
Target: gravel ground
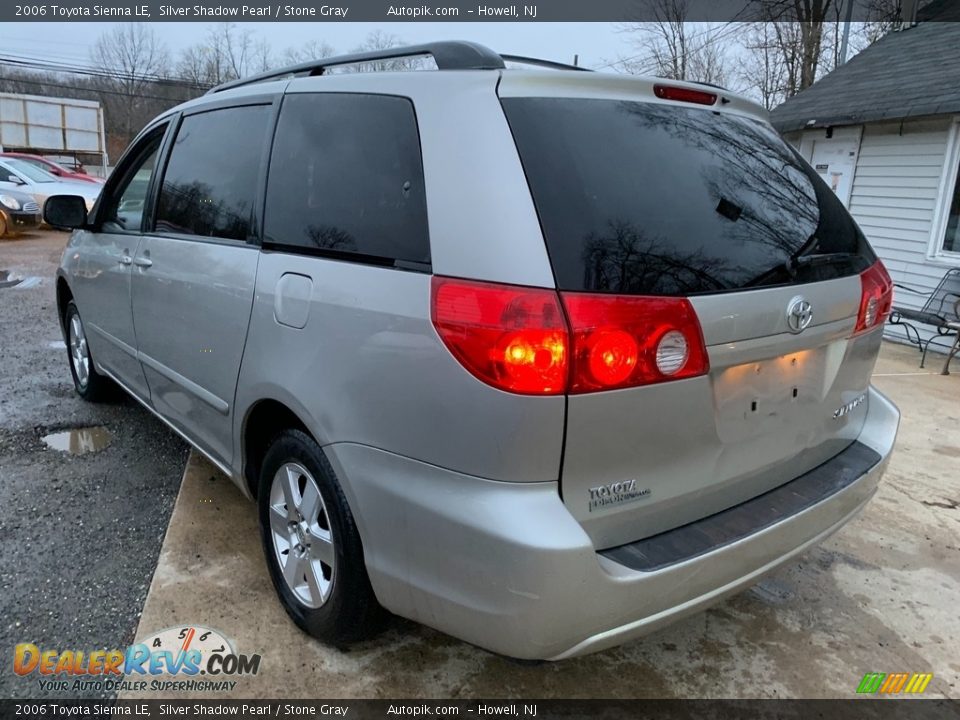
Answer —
(79, 535)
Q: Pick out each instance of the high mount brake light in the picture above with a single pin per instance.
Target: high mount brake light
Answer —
(876, 297)
(682, 94)
(519, 340)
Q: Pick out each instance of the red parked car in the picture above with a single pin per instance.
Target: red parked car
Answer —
(51, 167)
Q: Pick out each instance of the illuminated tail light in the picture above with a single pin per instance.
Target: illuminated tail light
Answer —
(876, 297)
(512, 338)
(517, 339)
(682, 94)
(621, 341)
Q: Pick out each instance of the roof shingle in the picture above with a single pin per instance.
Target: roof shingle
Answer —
(909, 73)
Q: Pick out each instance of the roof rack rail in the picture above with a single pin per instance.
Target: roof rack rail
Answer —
(448, 55)
(522, 60)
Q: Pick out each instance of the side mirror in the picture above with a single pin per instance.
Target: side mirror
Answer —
(14, 179)
(65, 211)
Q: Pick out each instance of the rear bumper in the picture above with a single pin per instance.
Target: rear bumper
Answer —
(506, 567)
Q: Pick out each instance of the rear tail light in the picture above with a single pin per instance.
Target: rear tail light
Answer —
(510, 337)
(621, 341)
(876, 297)
(517, 339)
(682, 94)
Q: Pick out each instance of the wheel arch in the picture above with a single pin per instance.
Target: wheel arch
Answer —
(262, 422)
(64, 296)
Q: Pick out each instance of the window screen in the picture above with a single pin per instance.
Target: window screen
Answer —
(346, 176)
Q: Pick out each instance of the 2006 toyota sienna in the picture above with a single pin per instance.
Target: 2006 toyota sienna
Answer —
(541, 358)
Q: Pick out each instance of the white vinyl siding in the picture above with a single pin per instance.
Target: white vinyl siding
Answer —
(898, 182)
(903, 171)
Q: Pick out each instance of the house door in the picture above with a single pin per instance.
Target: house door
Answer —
(835, 160)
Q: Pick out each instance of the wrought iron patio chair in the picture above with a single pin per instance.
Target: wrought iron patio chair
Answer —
(941, 311)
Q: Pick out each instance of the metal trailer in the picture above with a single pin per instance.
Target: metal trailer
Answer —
(53, 126)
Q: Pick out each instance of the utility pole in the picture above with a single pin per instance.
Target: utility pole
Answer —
(846, 32)
(576, 61)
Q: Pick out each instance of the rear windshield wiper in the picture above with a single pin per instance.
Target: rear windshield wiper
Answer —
(796, 262)
(817, 259)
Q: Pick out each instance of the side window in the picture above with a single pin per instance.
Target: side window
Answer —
(124, 210)
(210, 182)
(346, 175)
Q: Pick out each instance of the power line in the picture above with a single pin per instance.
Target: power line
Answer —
(87, 90)
(731, 28)
(37, 64)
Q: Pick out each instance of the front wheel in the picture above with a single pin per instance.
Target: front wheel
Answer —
(89, 384)
(311, 543)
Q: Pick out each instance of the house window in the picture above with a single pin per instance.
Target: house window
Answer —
(951, 239)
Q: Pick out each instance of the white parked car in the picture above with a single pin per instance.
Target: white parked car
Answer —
(19, 175)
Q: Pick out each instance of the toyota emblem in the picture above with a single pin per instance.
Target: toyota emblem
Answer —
(799, 314)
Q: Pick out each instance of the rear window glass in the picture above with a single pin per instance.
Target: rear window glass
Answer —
(655, 199)
(346, 177)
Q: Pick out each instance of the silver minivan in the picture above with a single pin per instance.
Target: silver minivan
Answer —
(541, 358)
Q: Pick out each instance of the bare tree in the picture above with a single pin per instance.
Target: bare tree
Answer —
(310, 50)
(226, 53)
(379, 40)
(673, 48)
(196, 64)
(761, 71)
(238, 52)
(882, 16)
(796, 42)
(799, 26)
(134, 59)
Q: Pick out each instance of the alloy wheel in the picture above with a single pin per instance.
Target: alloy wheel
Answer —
(79, 352)
(303, 541)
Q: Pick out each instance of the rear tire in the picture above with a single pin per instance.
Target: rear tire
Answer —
(312, 545)
(89, 384)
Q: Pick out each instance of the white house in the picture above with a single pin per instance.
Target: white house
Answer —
(884, 131)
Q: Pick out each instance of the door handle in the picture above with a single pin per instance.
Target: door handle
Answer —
(143, 262)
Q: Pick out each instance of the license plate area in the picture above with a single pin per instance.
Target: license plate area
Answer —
(761, 397)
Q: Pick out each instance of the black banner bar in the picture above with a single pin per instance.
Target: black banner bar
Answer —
(862, 709)
(412, 11)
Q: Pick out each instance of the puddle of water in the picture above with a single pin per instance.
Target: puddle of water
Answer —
(79, 441)
(57, 345)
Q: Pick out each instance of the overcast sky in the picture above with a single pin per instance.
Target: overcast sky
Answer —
(596, 43)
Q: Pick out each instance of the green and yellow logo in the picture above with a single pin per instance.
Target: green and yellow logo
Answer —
(893, 683)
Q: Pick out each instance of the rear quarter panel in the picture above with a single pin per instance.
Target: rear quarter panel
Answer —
(368, 367)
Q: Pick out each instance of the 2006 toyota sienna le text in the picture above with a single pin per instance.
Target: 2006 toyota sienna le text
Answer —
(541, 358)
